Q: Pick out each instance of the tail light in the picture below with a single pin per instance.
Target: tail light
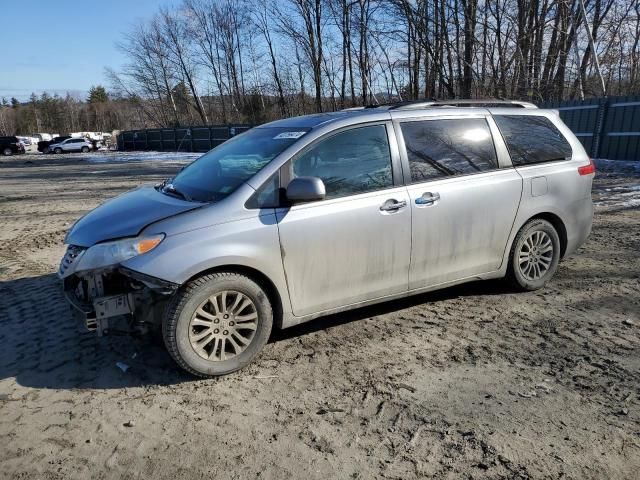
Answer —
(587, 169)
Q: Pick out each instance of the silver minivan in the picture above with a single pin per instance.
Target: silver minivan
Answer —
(322, 213)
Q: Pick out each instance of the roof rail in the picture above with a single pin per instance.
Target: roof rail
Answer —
(462, 103)
(418, 104)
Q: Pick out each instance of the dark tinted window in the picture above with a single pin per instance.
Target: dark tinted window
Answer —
(351, 162)
(532, 139)
(438, 148)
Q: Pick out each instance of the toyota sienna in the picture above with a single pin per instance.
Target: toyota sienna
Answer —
(318, 214)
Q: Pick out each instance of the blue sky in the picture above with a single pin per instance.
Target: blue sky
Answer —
(63, 45)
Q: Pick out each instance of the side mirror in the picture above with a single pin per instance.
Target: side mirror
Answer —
(305, 189)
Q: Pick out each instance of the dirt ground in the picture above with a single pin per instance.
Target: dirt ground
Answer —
(474, 381)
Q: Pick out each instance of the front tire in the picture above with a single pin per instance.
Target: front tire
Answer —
(84, 149)
(7, 152)
(535, 255)
(57, 150)
(217, 324)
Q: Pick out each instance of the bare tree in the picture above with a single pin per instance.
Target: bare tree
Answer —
(262, 17)
(264, 59)
(176, 38)
(302, 22)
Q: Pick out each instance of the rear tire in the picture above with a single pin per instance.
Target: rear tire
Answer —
(7, 152)
(534, 255)
(217, 324)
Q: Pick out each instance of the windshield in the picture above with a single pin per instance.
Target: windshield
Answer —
(219, 172)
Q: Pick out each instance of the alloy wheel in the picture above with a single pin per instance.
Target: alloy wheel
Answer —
(223, 326)
(536, 255)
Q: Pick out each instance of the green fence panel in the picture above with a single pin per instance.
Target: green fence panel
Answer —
(608, 127)
(185, 139)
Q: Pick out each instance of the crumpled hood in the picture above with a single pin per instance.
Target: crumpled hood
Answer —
(126, 216)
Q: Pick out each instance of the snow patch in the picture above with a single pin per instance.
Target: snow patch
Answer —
(618, 197)
(623, 168)
(120, 157)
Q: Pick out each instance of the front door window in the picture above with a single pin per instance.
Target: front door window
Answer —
(350, 162)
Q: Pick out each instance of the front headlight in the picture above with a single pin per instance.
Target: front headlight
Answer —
(112, 253)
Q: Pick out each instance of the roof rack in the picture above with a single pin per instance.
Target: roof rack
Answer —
(462, 103)
(414, 105)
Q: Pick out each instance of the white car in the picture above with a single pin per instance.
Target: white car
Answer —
(71, 145)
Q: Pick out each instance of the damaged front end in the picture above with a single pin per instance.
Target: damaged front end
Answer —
(113, 299)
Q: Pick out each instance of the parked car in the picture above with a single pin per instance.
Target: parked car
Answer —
(323, 213)
(71, 145)
(43, 145)
(11, 145)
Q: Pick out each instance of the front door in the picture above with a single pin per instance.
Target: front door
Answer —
(355, 245)
(463, 204)
(70, 145)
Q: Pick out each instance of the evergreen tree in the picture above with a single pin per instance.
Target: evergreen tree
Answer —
(98, 94)
(182, 97)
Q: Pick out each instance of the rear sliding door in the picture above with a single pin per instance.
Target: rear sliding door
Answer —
(463, 204)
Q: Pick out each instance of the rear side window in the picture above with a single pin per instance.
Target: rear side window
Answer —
(532, 139)
(350, 162)
(440, 148)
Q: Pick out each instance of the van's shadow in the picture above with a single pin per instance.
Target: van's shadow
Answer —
(42, 347)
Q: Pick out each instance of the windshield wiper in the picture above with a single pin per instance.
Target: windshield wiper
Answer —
(170, 188)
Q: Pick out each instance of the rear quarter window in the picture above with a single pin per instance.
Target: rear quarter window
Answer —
(532, 139)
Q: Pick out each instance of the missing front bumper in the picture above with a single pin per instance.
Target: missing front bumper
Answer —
(116, 301)
(101, 316)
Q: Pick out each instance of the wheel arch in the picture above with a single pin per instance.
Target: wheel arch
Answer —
(557, 223)
(257, 276)
(550, 217)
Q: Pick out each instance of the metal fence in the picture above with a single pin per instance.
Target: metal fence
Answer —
(608, 127)
(183, 139)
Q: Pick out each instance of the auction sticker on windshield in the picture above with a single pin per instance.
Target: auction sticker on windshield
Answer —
(288, 135)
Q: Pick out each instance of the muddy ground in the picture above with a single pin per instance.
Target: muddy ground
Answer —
(474, 381)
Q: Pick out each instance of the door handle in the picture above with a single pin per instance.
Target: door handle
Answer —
(392, 205)
(427, 198)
